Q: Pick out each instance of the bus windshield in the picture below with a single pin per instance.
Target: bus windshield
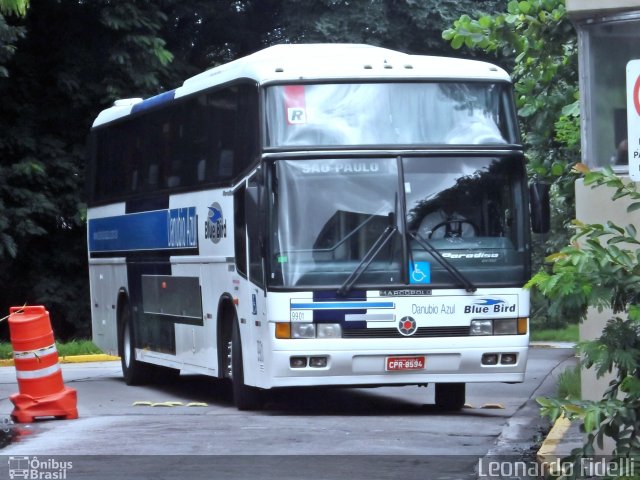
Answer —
(345, 114)
(469, 210)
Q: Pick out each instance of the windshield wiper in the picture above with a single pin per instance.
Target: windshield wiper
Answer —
(335, 246)
(378, 245)
(457, 274)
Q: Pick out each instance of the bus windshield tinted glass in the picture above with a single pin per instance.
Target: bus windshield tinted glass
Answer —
(328, 214)
(445, 113)
(472, 211)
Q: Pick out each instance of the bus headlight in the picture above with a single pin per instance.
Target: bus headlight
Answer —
(299, 330)
(303, 330)
(329, 330)
(505, 326)
(499, 326)
(481, 327)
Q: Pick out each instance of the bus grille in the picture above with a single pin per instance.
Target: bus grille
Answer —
(394, 333)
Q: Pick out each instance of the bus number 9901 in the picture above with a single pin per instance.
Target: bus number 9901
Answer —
(298, 316)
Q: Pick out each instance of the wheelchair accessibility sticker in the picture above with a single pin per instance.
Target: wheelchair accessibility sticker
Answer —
(419, 272)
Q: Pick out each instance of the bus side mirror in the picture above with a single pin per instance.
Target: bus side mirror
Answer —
(540, 207)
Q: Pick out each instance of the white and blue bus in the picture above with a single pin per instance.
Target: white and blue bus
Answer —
(315, 215)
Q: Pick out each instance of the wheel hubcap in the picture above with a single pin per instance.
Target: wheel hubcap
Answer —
(126, 340)
(229, 359)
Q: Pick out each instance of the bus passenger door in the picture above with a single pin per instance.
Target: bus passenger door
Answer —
(251, 304)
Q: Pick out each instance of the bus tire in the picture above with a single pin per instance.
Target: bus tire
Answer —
(450, 396)
(245, 397)
(133, 371)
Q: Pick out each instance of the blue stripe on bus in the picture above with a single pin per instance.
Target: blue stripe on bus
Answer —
(158, 230)
(340, 305)
(154, 101)
(338, 315)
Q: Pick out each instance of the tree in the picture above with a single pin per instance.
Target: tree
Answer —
(14, 7)
(203, 33)
(601, 268)
(9, 35)
(74, 59)
(405, 25)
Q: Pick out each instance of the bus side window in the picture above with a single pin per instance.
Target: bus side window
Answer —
(201, 169)
(154, 173)
(240, 231)
(226, 164)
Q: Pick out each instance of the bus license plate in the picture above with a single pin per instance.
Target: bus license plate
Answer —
(405, 363)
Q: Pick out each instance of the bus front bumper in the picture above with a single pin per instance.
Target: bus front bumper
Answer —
(398, 362)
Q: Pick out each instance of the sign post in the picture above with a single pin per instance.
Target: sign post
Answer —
(633, 118)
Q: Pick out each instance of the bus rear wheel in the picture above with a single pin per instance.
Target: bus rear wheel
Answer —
(245, 397)
(450, 396)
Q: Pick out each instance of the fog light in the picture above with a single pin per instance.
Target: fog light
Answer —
(298, 362)
(303, 330)
(318, 362)
(509, 359)
(490, 359)
(481, 327)
(329, 330)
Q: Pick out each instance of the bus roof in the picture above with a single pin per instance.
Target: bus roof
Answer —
(317, 62)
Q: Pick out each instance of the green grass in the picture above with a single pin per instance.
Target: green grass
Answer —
(567, 334)
(72, 347)
(569, 383)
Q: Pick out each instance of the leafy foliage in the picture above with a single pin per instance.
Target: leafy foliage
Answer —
(601, 268)
(14, 7)
(407, 25)
(95, 52)
(9, 36)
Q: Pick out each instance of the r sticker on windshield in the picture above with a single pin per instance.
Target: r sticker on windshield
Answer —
(295, 104)
(419, 272)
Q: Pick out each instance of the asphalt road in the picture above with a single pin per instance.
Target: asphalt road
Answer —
(308, 433)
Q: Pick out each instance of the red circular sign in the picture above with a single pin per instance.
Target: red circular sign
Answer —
(636, 95)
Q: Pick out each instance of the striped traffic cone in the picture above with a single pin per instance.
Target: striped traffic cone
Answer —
(42, 391)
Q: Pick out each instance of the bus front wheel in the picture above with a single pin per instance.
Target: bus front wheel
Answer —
(245, 397)
(450, 396)
(134, 372)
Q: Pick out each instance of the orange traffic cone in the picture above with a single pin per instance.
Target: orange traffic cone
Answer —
(42, 392)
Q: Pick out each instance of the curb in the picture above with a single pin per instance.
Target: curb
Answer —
(545, 344)
(562, 439)
(548, 451)
(520, 436)
(101, 357)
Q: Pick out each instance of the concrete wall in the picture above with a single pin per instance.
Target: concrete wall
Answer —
(580, 7)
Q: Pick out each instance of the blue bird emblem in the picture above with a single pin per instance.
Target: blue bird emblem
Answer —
(214, 214)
